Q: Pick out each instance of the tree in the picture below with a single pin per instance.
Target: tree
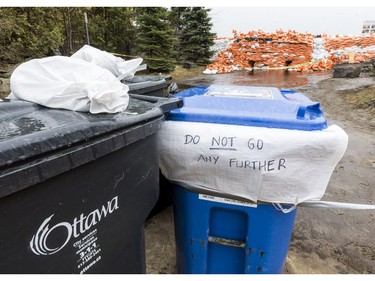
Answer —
(29, 33)
(177, 22)
(9, 43)
(196, 36)
(159, 35)
(113, 29)
(155, 38)
(71, 26)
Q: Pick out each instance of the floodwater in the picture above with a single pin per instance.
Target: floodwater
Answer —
(282, 79)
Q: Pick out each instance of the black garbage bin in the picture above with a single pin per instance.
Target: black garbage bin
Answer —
(154, 86)
(147, 85)
(76, 188)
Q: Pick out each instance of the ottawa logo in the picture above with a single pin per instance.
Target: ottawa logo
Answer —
(39, 242)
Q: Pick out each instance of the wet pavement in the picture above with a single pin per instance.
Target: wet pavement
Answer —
(281, 79)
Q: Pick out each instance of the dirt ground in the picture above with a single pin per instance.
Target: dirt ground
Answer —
(335, 240)
(324, 241)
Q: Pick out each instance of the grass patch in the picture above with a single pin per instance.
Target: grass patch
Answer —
(3, 95)
(362, 99)
(181, 73)
(4, 88)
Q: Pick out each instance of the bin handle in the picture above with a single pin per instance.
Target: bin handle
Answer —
(279, 207)
(165, 104)
(310, 111)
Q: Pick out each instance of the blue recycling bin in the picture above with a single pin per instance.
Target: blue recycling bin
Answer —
(229, 236)
(221, 234)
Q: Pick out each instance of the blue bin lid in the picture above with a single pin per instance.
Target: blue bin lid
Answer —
(249, 106)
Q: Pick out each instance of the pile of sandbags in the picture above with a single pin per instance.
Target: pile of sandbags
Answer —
(220, 44)
(362, 48)
(340, 49)
(319, 51)
(289, 50)
(263, 49)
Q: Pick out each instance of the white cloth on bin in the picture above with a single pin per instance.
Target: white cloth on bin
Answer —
(253, 163)
(117, 66)
(69, 83)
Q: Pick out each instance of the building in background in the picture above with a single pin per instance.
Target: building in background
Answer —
(368, 27)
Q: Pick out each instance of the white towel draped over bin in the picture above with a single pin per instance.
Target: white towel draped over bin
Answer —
(253, 163)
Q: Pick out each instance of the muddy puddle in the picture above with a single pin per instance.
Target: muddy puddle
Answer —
(281, 79)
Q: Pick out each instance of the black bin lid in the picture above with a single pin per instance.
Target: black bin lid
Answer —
(29, 131)
(145, 84)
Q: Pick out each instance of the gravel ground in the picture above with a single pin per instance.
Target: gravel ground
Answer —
(324, 241)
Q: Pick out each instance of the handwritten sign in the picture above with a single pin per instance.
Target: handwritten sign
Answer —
(254, 163)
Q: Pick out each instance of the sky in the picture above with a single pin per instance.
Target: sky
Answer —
(314, 20)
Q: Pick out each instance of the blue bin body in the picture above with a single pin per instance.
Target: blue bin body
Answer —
(220, 235)
(214, 237)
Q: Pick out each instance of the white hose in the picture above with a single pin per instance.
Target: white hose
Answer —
(335, 205)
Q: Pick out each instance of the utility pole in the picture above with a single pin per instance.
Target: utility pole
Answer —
(87, 28)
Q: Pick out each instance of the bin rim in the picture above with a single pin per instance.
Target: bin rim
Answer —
(284, 109)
